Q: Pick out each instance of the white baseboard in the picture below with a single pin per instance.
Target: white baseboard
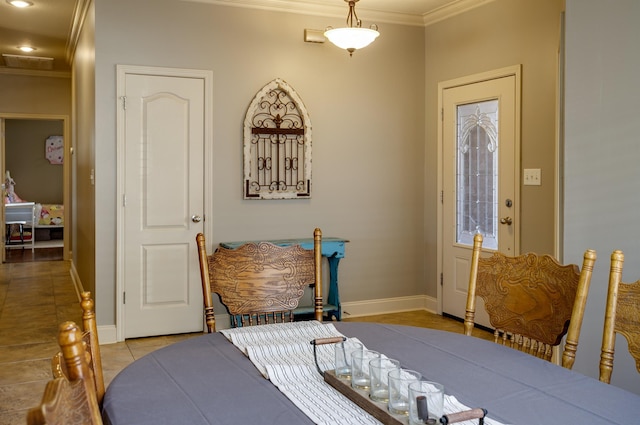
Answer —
(388, 305)
(223, 321)
(367, 308)
(107, 334)
(77, 283)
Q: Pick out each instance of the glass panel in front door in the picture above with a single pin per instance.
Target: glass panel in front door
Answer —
(477, 172)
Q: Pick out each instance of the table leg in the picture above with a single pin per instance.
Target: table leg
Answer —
(334, 295)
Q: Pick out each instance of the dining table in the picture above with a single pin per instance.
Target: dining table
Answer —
(208, 380)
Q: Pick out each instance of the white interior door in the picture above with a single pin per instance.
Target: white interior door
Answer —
(163, 206)
(480, 180)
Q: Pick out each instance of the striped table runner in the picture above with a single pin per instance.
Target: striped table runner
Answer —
(284, 355)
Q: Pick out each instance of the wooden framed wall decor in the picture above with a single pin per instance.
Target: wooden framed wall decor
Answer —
(277, 145)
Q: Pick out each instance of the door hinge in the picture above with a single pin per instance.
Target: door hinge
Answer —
(442, 196)
(124, 200)
(124, 298)
(124, 102)
(442, 114)
(441, 279)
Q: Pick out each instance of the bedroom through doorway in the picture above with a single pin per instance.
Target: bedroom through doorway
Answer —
(34, 173)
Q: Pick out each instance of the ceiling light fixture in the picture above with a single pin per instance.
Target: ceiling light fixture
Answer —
(352, 37)
(19, 3)
(26, 49)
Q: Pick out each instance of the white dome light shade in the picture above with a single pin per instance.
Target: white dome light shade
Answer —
(351, 39)
(19, 3)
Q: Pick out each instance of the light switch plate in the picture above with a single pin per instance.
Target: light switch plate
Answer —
(532, 177)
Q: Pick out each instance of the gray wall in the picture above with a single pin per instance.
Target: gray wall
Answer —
(602, 156)
(367, 113)
(87, 252)
(373, 172)
(499, 34)
(29, 94)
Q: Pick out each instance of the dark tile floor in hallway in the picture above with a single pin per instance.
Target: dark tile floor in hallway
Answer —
(36, 296)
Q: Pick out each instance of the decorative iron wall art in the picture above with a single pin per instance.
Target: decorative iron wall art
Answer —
(277, 145)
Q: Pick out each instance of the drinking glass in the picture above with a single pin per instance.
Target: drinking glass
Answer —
(399, 381)
(343, 357)
(380, 368)
(426, 402)
(360, 375)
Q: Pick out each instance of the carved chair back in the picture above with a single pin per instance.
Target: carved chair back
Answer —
(69, 399)
(90, 338)
(621, 316)
(260, 282)
(532, 300)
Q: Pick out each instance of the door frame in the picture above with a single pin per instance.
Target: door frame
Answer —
(122, 72)
(515, 71)
(66, 172)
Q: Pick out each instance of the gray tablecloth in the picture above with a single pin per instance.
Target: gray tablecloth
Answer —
(206, 380)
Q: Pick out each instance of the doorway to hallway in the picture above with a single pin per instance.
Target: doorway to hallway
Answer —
(29, 143)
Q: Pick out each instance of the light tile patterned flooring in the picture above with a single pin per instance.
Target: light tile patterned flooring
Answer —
(36, 296)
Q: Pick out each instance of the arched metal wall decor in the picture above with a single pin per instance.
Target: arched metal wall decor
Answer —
(277, 145)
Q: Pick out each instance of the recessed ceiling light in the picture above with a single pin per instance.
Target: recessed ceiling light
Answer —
(26, 49)
(19, 3)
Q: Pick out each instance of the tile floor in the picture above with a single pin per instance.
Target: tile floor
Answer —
(41, 294)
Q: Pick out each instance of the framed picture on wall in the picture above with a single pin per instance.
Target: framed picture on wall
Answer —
(54, 149)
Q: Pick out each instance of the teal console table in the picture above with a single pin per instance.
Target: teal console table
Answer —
(333, 250)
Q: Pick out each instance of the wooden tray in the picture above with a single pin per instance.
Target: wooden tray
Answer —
(361, 398)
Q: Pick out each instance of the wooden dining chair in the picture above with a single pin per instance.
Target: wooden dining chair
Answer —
(260, 282)
(72, 399)
(532, 300)
(621, 316)
(90, 337)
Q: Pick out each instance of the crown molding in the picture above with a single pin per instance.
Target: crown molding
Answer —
(77, 21)
(307, 7)
(337, 10)
(452, 9)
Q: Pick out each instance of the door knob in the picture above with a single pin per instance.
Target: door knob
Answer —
(506, 220)
(198, 219)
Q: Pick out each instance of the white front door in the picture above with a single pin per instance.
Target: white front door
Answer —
(480, 178)
(163, 127)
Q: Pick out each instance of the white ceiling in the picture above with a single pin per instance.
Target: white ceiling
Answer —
(47, 24)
